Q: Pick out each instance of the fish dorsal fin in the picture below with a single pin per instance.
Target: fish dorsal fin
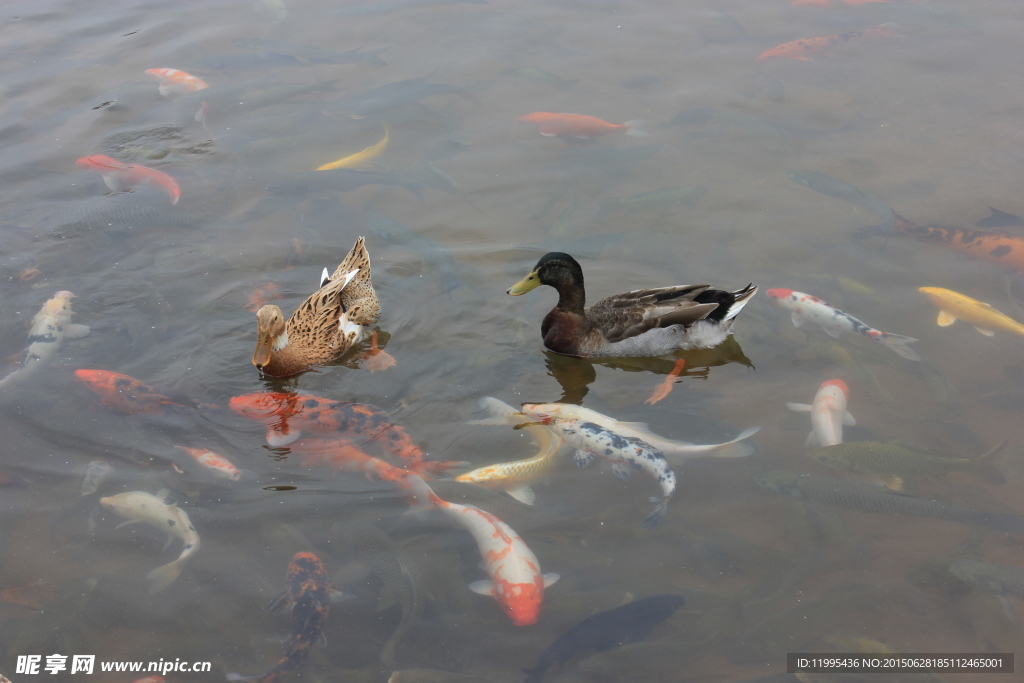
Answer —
(945, 319)
(986, 332)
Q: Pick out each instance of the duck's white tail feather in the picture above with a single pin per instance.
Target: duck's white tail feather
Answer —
(743, 296)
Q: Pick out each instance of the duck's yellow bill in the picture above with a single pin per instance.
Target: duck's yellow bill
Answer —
(531, 281)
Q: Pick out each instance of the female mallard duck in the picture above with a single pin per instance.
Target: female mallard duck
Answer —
(325, 326)
(645, 322)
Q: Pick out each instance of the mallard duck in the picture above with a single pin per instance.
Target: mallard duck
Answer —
(645, 322)
(327, 324)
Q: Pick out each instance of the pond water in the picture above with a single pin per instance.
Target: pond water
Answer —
(917, 104)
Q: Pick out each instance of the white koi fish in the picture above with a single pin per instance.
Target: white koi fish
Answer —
(626, 454)
(96, 472)
(139, 506)
(674, 451)
(805, 307)
(516, 582)
(50, 326)
(214, 463)
(828, 413)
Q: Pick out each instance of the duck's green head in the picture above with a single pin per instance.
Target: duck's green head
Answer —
(555, 269)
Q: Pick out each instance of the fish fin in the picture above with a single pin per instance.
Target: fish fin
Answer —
(583, 458)
(652, 520)
(279, 603)
(277, 438)
(987, 333)
(898, 343)
(812, 440)
(524, 494)
(734, 449)
(76, 331)
(799, 407)
(849, 420)
(549, 135)
(945, 319)
(483, 587)
(131, 521)
(985, 467)
(645, 433)
(325, 277)
(338, 596)
(635, 128)
(550, 578)
(797, 320)
(621, 471)
(162, 577)
(1009, 610)
(999, 219)
(388, 598)
(831, 332)
(893, 482)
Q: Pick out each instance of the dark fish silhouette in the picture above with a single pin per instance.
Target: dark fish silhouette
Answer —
(999, 219)
(602, 631)
(305, 182)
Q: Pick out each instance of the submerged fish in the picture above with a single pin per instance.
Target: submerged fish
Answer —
(895, 461)
(119, 176)
(657, 200)
(387, 7)
(125, 394)
(303, 53)
(955, 306)
(139, 506)
(50, 327)
(1001, 579)
(515, 578)
(359, 158)
(853, 495)
(214, 463)
(340, 179)
(515, 478)
(96, 472)
(807, 48)
(391, 565)
(629, 623)
(438, 256)
(999, 219)
(393, 96)
(580, 125)
(118, 211)
(803, 307)
(676, 451)
(538, 75)
(828, 413)
(1000, 247)
(840, 189)
(176, 82)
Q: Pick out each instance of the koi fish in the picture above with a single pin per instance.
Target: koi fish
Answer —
(805, 307)
(50, 326)
(308, 595)
(580, 125)
(515, 478)
(119, 176)
(151, 679)
(96, 472)
(177, 82)
(515, 578)
(828, 413)
(839, 3)
(262, 296)
(677, 451)
(625, 454)
(803, 48)
(359, 158)
(125, 394)
(1000, 247)
(955, 306)
(214, 463)
(343, 455)
(139, 506)
(28, 596)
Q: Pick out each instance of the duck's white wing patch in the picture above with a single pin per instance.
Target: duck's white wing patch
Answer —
(325, 277)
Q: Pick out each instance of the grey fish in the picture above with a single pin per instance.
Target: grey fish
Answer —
(103, 212)
(394, 232)
(1001, 579)
(657, 200)
(95, 474)
(536, 74)
(999, 219)
(376, 9)
(853, 495)
(393, 96)
(840, 189)
(247, 61)
(926, 18)
(304, 53)
(376, 549)
(304, 182)
(600, 632)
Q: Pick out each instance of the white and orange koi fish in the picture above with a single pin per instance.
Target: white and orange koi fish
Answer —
(828, 413)
(516, 582)
(803, 307)
(176, 82)
(119, 176)
(214, 463)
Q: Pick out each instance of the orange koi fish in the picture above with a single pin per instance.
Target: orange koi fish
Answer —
(262, 296)
(125, 394)
(308, 594)
(580, 125)
(805, 47)
(28, 597)
(516, 582)
(344, 456)
(151, 679)
(288, 416)
(1000, 247)
(119, 176)
(214, 463)
(177, 82)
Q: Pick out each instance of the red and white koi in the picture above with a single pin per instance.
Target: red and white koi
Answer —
(176, 82)
(828, 413)
(214, 463)
(803, 307)
(50, 326)
(674, 451)
(119, 176)
(516, 582)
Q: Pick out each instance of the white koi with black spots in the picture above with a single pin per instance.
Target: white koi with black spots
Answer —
(50, 326)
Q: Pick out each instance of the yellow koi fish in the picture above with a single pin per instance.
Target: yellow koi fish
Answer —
(515, 478)
(954, 306)
(359, 158)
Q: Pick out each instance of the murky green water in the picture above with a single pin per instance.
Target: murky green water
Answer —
(927, 120)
